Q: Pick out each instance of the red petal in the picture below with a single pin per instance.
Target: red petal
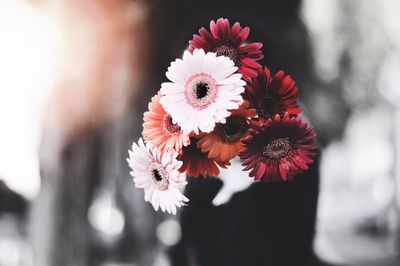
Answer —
(247, 71)
(299, 162)
(251, 63)
(282, 171)
(256, 46)
(260, 169)
(206, 35)
(214, 30)
(235, 30)
(244, 34)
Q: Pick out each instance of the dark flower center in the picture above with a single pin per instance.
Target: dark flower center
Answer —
(269, 106)
(227, 50)
(202, 90)
(159, 176)
(170, 126)
(277, 148)
(233, 130)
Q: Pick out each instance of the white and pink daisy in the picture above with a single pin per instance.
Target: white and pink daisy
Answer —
(203, 88)
(157, 173)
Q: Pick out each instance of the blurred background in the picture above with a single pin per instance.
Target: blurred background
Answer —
(76, 77)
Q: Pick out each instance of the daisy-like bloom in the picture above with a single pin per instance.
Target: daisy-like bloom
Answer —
(272, 95)
(158, 174)
(203, 89)
(225, 141)
(229, 41)
(159, 130)
(281, 148)
(196, 163)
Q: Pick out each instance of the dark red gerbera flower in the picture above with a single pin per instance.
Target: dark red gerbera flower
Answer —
(271, 96)
(229, 41)
(281, 148)
(196, 163)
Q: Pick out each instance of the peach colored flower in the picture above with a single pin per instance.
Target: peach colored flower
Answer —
(225, 141)
(159, 130)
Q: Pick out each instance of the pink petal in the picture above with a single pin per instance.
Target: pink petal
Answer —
(282, 171)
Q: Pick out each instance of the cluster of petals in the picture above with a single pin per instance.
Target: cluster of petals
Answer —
(203, 88)
(279, 149)
(272, 95)
(218, 103)
(158, 175)
(224, 39)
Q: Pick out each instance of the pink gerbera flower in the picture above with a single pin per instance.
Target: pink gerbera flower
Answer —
(159, 130)
(158, 175)
(203, 88)
(281, 148)
(229, 41)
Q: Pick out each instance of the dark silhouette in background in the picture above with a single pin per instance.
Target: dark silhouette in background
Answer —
(266, 224)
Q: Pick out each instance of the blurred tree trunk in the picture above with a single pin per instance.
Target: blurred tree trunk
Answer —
(87, 133)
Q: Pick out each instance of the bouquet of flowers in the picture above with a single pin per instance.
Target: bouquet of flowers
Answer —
(219, 103)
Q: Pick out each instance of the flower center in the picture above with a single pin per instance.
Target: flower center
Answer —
(233, 130)
(159, 176)
(200, 90)
(227, 50)
(169, 126)
(278, 148)
(269, 106)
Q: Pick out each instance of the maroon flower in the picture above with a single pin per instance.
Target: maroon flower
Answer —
(271, 96)
(196, 163)
(281, 148)
(229, 41)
